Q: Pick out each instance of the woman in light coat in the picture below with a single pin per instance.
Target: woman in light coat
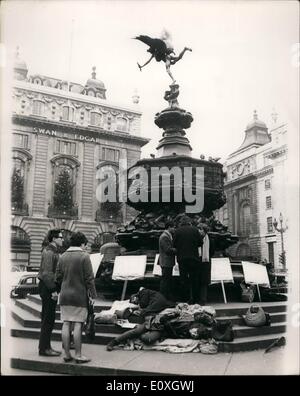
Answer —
(75, 279)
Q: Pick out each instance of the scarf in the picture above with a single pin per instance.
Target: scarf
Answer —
(205, 249)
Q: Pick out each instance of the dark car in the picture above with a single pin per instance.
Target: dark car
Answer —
(28, 284)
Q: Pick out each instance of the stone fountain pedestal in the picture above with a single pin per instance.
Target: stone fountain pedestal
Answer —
(174, 150)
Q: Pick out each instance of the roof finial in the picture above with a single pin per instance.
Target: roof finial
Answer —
(255, 115)
(94, 72)
(274, 115)
(135, 97)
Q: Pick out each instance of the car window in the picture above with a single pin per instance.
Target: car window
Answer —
(29, 281)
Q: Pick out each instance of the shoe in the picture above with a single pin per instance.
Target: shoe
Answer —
(57, 352)
(49, 353)
(82, 360)
(68, 359)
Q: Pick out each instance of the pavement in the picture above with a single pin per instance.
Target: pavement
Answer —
(120, 362)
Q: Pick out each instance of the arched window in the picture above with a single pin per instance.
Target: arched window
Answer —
(20, 248)
(18, 186)
(19, 165)
(245, 219)
(64, 185)
(38, 107)
(65, 170)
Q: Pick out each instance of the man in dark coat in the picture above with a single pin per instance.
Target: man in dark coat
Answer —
(48, 291)
(167, 259)
(187, 240)
(150, 302)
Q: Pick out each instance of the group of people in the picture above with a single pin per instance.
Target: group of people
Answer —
(191, 247)
(69, 276)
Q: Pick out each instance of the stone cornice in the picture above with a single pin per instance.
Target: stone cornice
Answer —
(69, 127)
(263, 172)
(73, 96)
(239, 180)
(276, 152)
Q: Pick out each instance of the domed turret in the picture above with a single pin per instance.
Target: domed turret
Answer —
(256, 134)
(95, 87)
(20, 67)
(256, 122)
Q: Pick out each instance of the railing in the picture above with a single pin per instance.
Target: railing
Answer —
(20, 209)
(61, 213)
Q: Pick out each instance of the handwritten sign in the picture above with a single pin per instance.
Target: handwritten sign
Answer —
(96, 259)
(157, 267)
(255, 273)
(221, 270)
(129, 267)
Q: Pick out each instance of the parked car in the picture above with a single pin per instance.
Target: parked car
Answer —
(28, 284)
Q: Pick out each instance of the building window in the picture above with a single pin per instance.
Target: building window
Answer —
(68, 113)
(270, 224)
(38, 107)
(267, 184)
(268, 202)
(95, 119)
(122, 124)
(65, 147)
(20, 249)
(245, 220)
(110, 154)
(20, 140)
(271, 252)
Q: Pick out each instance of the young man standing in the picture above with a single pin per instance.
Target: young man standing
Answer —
(167, 259)
(187, 240)
(48, 291)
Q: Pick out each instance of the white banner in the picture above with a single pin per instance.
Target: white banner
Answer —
(221, 270)
(255, 273)
(157, 267)
(129, 267)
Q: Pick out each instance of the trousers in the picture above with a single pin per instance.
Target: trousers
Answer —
(148, 337)
(47, 317)
(166, 282)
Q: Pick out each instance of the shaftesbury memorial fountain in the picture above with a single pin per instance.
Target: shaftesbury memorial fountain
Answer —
(167, 182)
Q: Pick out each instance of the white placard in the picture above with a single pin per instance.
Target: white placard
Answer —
(96, 259)
(129, 267)
(255, 273)
(221, 270)
(157, 267)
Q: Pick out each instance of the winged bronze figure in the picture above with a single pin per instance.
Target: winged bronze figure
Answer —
(161, 50)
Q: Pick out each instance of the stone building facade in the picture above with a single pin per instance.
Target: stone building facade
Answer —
(60, 126)
(256, 191)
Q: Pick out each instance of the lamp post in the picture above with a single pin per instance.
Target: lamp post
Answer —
(281, 229)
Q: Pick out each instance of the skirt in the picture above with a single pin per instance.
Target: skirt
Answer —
(69, 313)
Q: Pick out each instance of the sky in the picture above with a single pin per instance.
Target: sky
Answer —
(243, 58)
